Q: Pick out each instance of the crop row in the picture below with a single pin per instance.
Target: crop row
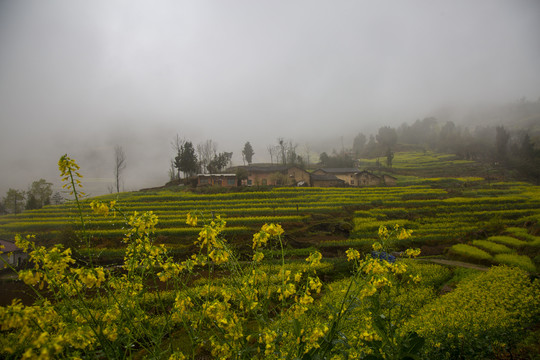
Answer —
(412, 206)
(498, 250)
(175, 221)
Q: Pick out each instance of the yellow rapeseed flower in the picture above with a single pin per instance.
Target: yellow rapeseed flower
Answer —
(191, 220)
(352, 254)
(404, 234)
(383, 232)
(272, 229)
(412, 252)
(260, 238)
(314, 258)
(258, 256)
(99, 208)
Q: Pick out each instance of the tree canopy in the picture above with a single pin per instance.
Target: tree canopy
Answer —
(247, 153)
(186, 160)
(219, 162)
(14, 201)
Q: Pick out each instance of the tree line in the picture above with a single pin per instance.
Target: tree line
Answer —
(39, 194)
(204, 158)
(513, 149)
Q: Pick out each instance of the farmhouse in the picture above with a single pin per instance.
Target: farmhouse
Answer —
(281, 175)
(389, 180)
(355, 177)
(11, 254)
(345, 174)
(326, 180)
(365, 178)
(225, 180)
(276, 175)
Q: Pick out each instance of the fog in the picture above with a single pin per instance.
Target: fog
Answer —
(81, 77)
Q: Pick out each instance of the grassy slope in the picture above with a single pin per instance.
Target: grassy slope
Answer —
(441, 210)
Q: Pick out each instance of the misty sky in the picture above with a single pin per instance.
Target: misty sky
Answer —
(80, 77)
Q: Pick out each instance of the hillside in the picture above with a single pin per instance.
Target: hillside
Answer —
(442, 212)
(448, 261)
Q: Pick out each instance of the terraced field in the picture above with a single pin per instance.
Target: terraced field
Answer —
(440, 211)
(415, 164)
(270, 292)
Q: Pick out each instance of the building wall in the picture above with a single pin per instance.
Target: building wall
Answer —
(15, 259)
(277, 178)
(346, 177)
(261, 178)
(366, 179)
(326, 183)
(389, 180)
(298, 175)
(225, 181)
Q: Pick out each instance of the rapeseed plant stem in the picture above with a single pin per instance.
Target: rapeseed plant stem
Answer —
(69, 170)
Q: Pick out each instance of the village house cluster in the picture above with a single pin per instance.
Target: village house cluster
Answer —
(276, 175)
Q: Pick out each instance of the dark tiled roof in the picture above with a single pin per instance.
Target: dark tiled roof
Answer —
(266, 169)
(325, 177)
(368, 173)
(340, 170)
(216, 175)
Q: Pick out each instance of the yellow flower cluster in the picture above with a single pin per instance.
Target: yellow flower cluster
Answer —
(267, 231)
(69, 170)
(314, 258)
(90, 277)
(100, 208)
(209, 238)
(272, 229)
(237, 315)
(412, 252)
(191, 220)
(51, 266)
(352, 254)
(142, 225)
(495, 307)
(260, 239)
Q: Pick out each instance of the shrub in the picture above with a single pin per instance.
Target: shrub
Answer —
(521, 233)
(495, 307)
(432, 275)
(520, 261)
(508, 240)
(492, 247)
(470, 252)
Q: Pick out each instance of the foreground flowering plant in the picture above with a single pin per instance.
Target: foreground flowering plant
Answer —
(212, 302)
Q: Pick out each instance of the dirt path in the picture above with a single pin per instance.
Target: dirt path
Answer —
(457, 263)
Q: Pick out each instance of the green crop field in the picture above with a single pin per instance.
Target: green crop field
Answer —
(335, 284)
(464, 210)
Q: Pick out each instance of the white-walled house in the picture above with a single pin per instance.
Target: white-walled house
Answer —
(11, 254)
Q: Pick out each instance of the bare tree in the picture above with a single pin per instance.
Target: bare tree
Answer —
(307, 149)
(172, 172)
(270, 149)
(119, 164)
(206, 152)
(283, 150)
(275, 153)
(177, 145)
